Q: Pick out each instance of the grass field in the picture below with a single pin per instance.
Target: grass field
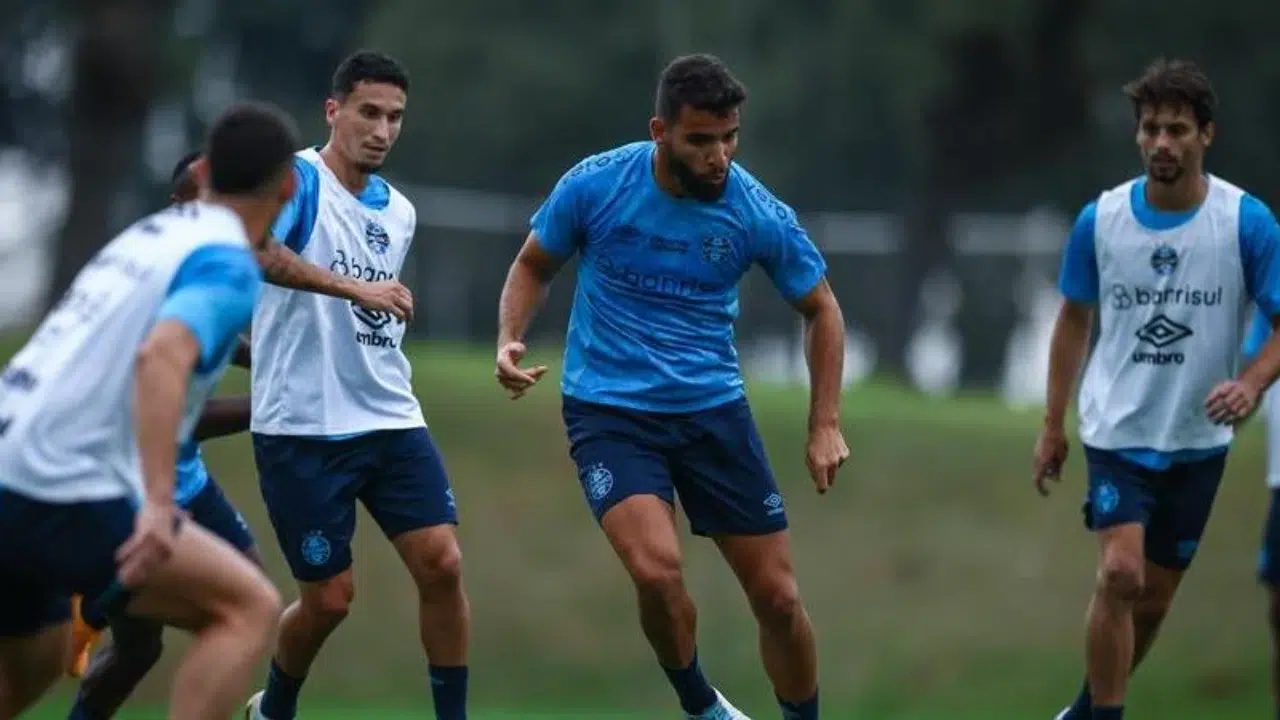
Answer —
(941, 585)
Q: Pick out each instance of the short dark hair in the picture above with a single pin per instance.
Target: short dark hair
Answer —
(368, 66)
(1177, 84)
(249, 146)
(702, 82)
(183, 167)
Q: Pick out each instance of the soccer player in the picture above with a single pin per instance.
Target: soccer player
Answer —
(653, 398)
(335, 419)
(136, 643)
(92, 411)
(1169, 263)
(1269, 558)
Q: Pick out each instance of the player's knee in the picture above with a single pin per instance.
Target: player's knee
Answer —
(440, 568)
(331, 599)
(1120, 578)
(776, 600)
(655, 573)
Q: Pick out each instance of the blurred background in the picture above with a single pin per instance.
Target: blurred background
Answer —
(937, 151)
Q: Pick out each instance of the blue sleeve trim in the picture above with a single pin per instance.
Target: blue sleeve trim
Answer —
(1078, 278)
(213, 294)
(557, 224)
(297, 219)
(1256, 337)
(1259, 250)
(376, 194)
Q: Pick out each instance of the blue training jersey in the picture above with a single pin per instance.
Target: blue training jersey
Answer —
(192, 475)
(1258, 334)
(652, 322)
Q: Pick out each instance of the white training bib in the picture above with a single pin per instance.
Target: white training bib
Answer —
(1171, 307)
(321, 365)
(67, 398)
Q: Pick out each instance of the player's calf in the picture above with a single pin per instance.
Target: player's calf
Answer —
(787, 646)
(212, 590)
(642, 531)
(116, 669)
(1110, 643)
(434, 561)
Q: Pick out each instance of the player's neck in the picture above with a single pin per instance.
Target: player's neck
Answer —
(253, 215)
(665, 178)
(1186, 194)
(351, 177)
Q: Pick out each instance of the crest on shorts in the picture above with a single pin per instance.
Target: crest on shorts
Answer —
(1106, 498)
(377, 238)
(716, 249)
(1164, 260)
(315, 548)
(599, 481)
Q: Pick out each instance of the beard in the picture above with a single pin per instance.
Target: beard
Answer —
(697, 187)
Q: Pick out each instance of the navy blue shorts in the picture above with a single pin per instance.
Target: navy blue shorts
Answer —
(311, 486)
(1269, 558)
(49, 552)
(1172, 505)
(211, 510)
(713, 460)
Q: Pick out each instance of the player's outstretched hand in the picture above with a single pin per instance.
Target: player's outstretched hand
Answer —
(511, 376)
(1231, 402)
(387, 296)
(1051, 455)
(155, 528)
(825, 453)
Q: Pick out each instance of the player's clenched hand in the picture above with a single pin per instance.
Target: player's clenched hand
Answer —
(825, 453)
(387, 296)
(1051, 455)
(1231, 402)
(511, 376)
(155, 529)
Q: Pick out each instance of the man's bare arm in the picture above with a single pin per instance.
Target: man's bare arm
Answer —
(1066, 353)
(525, 290)
(284, 267)
(824, 350)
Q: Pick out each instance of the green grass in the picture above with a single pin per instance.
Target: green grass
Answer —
(940, 584)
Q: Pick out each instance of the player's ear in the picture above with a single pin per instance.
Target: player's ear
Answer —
(199, 169)
(288, 186)
(331, 106)
(1207, 132)
(657, 129)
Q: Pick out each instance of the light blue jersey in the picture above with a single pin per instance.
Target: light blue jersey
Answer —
(1258, 334)
(192, 475)
(1079, 281)
(652, 322)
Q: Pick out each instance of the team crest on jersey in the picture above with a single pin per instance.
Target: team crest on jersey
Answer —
(1164, 260)
(716, 249)
(377, 238)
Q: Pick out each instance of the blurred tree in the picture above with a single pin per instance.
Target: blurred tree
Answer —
(118, 61)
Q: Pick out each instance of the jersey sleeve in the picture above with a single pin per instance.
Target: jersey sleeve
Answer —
(1258, 333)
(785, 252)
(1259, 247)
(1078, 278)
(297, 219)
(213, 295)
(557, 225)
